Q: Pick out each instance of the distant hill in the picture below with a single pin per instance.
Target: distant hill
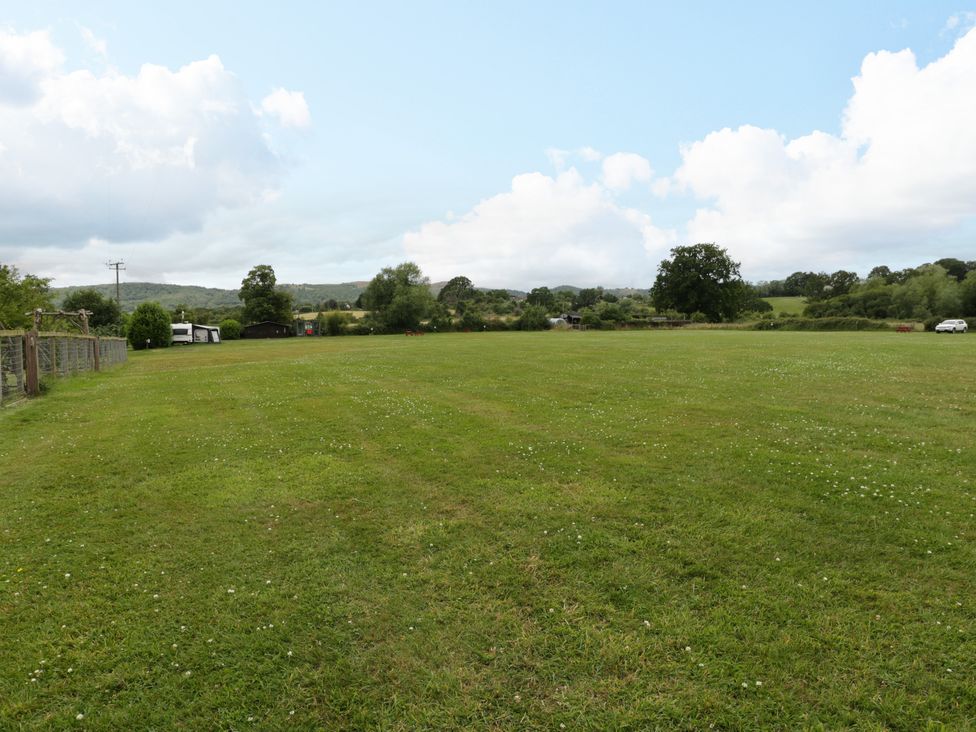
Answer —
(134, 293)
(343, 292)
(618, 291)
(193, 296)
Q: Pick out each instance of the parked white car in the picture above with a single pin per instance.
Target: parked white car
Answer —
(952, 326)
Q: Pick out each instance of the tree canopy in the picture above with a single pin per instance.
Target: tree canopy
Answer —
(19, 295)
(700, 278)
(149, 327)
(456, 290)
(262, 300)
(104, 310)
(399, 297)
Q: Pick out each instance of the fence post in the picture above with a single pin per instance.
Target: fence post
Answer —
(30, 357)
(97, 348)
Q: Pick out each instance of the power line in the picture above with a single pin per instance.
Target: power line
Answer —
(120, 265)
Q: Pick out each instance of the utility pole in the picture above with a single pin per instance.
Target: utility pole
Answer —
(120, 265)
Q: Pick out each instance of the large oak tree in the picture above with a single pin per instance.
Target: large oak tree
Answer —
(701, 278)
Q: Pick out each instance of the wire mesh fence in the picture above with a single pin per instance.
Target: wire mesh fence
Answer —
(51, 354)
(13, 375)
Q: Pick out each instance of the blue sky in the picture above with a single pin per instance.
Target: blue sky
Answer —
(433, 131)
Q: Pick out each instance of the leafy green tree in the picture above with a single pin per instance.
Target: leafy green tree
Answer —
(954, 267)
(882, 272)
(104, 311)
(588, 297)
(703, 278)
(817, 286)
(230, 330)
(457, 289)
(334, 325)
(795, 285)
(841, 282)
(262, 299)
(399, 297)
(21, 295)
(439, 318)
(472, 320)
(534, 317)
(967, 294)
(149, 327)
(543, 297)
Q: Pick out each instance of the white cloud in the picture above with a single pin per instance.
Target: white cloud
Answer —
(590, 155)
(118, 157)
(620, 170)
(901, 173)
(25, 60)
(96, 44)
(545, 231)
(960, 22)
(558, 158)
(288, 107)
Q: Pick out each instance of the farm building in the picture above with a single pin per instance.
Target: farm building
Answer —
(267, 329)
(573, 320)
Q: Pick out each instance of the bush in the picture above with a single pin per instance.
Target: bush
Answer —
(821, 324)
(533, 318)
(230, 330)
(361, 328)
(496, 324)
(150, 324)
(472, 320)
(335, 324)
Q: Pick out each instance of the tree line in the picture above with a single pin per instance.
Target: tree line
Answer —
(700, 282)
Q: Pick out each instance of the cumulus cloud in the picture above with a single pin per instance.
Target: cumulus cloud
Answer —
(25, 60)
(122, 158)
(620, 170)
(902, 172)
(288, 107)
(545, 231)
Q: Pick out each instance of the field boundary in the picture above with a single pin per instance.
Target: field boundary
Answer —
(26, 356)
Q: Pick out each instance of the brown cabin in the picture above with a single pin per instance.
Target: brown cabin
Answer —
(267, 329)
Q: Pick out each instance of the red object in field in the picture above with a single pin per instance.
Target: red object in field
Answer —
(904, 329)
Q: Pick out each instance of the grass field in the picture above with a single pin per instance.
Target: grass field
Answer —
(791, 305)
(582, 531)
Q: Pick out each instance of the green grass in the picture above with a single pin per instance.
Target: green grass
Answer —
(638, 530)
(791, 305)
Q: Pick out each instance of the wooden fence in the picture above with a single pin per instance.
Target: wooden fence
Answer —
(26, 356)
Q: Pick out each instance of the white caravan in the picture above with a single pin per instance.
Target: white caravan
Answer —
(187, 333)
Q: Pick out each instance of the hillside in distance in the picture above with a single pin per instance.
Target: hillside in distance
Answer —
(193, 296)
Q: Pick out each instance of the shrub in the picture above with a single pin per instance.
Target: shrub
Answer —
(472, 320)
(361, 328)
(335, 324)
(496, 324)
(150, 323)
(821, 324)
(533, 318)
(230, 330)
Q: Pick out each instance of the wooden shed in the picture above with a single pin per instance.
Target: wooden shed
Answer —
(267, 329)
